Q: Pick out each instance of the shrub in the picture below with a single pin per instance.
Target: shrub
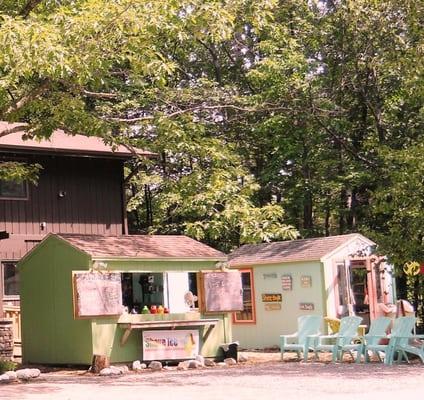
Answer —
(7, 365)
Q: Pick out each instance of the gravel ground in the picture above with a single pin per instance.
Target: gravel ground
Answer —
(263, 377)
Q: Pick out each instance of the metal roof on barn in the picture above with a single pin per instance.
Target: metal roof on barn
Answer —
(143, 247)
(62, 143)
(290, 251)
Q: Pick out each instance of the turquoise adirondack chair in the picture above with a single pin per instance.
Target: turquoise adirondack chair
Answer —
(412, 345)
(299, 342)
(342, 341)
(378, 330)
(398, 339)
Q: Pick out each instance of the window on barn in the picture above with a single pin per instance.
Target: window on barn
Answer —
(248, 315)
(13, 190)
(10, 279)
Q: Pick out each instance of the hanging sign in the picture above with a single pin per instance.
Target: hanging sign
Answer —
(411, 268)
(221, 291)
(305, 281)
(286, 282)
(272, 306)
(306, 306)
(272, 297)
(170, 344)
(271, 275)
(97, 294)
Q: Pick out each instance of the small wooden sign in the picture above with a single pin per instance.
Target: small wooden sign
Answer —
(272, 306)
(272, 297)
(306, 306)
(286, 282)
(306, 281)
(271, 275)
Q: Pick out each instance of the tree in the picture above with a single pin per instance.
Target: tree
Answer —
(121, 70)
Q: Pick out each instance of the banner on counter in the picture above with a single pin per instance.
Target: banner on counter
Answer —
(170, 344)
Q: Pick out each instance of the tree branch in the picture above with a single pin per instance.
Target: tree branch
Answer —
(29, 6)
(99, 95)
(28, 97)
(345, 146)
(15, 129)
(199, 108)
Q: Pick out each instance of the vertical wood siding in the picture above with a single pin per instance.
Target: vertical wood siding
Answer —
(92, 204)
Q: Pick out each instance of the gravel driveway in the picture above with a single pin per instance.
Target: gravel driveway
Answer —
(263, 377)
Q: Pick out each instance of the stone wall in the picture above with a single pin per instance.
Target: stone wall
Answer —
(6, 339)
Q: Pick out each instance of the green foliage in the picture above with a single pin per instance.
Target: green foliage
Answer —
(398, 206)
(7, 365)
(265, 115)
(18, 171)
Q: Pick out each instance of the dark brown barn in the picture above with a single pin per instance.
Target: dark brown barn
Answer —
(80, 190)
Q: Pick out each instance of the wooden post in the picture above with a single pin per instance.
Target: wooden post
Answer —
(99, 362)
(1, 291)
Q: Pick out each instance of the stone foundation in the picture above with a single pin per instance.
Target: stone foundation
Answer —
(6, 339)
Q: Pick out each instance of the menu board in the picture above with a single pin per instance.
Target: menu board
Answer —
(222, 291)
(97, 294)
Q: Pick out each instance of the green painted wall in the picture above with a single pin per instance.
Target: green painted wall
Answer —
(50, 333)
(271, 324)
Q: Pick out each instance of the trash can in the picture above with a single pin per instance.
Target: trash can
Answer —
(228, 350)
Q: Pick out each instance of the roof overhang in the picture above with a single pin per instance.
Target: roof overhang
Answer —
(66, 144)
(347, 243)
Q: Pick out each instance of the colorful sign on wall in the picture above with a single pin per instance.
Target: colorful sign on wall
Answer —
(306, 306)
(272, 297)
(286, 282)
(271, 275)
(306, 281)
(170, 344)
(272, 306)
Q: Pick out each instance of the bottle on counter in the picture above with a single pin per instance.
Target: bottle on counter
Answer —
(145, 310)
(153, 309)
(161, 310)
(166, 310)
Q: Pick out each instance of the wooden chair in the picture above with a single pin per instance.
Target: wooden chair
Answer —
(342, 341)
(308, 326)
(398, 340)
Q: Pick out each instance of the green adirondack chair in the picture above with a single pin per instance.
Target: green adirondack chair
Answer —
(299, 342)
(377, 332)
(342, 341)
(398, 339)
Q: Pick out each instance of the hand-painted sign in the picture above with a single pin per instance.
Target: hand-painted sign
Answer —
(272, 306)
(272, 297)
(97, 294)
(306, 306)
(222, 291)
(286, 282)
(305, 281)
(271, 275)
(170, 344)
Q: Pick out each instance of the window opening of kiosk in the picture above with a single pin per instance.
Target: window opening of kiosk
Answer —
(141, 290)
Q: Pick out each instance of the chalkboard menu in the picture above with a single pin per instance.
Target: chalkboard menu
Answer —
(222, 291)
(97, 294)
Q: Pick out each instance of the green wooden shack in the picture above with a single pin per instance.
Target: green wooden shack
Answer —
(83, 295)
(330, 276)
